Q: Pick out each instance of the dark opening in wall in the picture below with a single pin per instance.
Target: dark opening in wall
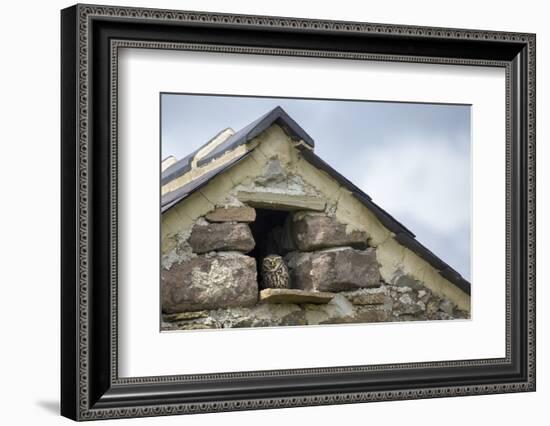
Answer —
(270, 234)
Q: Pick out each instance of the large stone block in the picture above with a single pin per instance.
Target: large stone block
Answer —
(314, 231)
(281, 201)
(334, 269)
(296, 296)
(221, 237)
(232, 214)
(210, 282)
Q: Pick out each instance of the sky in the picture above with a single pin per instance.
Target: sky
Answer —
(412, 159)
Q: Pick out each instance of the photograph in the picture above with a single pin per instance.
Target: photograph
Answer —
(281, 212)
(274, 208)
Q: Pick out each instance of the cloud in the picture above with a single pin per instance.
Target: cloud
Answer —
(421, 181)
(425, 184)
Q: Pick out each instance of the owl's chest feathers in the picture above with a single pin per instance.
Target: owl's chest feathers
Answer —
(275, 275)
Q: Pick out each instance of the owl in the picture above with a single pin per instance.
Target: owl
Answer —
(275, 272)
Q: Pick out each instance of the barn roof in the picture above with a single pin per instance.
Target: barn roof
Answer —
(278, 116)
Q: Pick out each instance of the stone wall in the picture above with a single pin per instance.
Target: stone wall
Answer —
(216, 272)
(334, 278)
(344, 265)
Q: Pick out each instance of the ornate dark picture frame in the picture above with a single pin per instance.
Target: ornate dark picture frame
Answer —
(90, 385)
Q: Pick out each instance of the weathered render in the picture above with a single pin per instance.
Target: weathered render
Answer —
(262, 190)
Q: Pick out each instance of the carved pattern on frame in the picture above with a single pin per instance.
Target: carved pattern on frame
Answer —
(86, 12)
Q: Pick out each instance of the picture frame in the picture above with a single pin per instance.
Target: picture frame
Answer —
(90, 384)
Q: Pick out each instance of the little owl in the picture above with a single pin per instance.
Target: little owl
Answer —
(275, 272)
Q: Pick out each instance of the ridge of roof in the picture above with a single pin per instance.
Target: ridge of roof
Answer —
(277, 115)
(172, 198)
(177, 169)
